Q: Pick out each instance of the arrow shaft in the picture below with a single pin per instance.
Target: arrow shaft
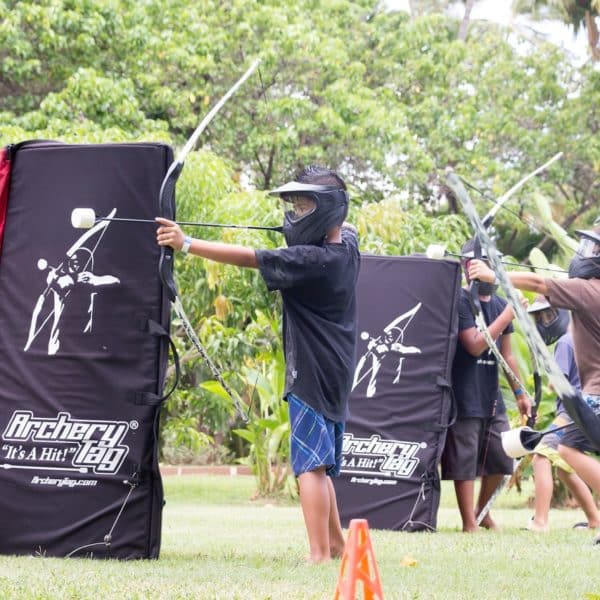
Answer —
(190, 223)
(512, 264)
(38, 468)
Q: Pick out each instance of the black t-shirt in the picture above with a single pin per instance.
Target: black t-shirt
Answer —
(317, 285)
(475, 378)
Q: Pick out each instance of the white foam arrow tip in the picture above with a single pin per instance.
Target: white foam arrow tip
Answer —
(83, 218)
(520, 441)
(435, 251)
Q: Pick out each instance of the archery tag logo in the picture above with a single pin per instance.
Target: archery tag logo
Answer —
(376, 457)
(390, 341)
(75, 276)
(64, 444)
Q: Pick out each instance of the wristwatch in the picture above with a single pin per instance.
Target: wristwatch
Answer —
(187, 242)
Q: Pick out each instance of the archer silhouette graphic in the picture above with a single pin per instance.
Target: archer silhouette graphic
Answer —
(76, 271)
(390, 340)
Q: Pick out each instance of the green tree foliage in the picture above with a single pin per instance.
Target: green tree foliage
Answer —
(236, 318)
(268, 430)
(43, 43)
(387, 100)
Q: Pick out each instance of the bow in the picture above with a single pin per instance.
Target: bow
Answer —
(584, 415)
(486, 223)
(500, 202)
(167, 209)
(482, 326)
(481, 226)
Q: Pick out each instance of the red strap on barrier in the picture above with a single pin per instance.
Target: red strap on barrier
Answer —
(4, 179)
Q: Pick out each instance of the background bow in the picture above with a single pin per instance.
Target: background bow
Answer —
(578, 409)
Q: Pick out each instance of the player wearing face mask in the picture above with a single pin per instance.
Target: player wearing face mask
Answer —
(552, 324)
(473, 448)
(316, 278)
(580, 294)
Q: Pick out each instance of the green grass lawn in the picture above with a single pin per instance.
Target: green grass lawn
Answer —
(217, 543)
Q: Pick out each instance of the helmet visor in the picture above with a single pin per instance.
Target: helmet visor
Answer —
(547, 316)
(588, 248)
(297, 207)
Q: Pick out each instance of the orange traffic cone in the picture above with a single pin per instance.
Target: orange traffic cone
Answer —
(358, 564)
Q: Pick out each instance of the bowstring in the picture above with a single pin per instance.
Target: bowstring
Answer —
(534, 225)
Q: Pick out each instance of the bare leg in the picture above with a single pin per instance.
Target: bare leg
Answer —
(336, 536)
(488, 484)
(544, 486)
(316, 506)
(585, 466)
(464, 496)
(582, 494)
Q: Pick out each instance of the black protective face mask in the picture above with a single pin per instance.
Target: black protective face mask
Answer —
(487, 289)
(584, 268)
(552, 330)
(331, 210)
(586, 262)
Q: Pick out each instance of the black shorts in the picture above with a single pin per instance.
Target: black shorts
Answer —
(574, 438)
(474, 448)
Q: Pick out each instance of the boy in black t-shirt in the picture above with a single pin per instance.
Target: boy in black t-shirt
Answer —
(316, 276)
(473, 447)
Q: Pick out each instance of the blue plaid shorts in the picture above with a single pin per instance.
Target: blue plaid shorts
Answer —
(316, 441)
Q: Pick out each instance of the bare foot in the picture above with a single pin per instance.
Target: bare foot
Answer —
(534, 525)
(470, 528)
(316, 560)
(336, 552)
(489, 523)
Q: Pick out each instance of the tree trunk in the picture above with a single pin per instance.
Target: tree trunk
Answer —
(464, 24)
(414, 8)
(593, 35)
